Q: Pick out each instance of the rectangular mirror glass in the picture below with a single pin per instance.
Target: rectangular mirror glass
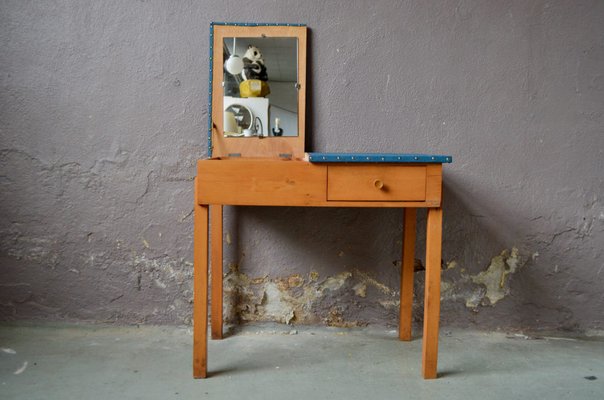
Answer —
(258, 90)
(260, 86)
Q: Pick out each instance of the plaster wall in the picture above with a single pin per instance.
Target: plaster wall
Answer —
(103, 113)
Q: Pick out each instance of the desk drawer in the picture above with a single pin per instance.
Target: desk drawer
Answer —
(376, 183)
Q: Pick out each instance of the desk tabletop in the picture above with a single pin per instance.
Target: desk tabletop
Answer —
(378, 158)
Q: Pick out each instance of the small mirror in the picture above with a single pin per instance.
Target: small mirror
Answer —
(261, 77)
(258, 90)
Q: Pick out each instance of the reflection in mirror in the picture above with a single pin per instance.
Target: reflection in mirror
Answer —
(237, 121)
(260, 86)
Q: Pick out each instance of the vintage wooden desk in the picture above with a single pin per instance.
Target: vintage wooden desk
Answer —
(275, 171)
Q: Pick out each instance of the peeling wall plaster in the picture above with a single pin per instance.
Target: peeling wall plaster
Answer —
(296, 299)
(102, 121)
(495, 278)
(486, 287)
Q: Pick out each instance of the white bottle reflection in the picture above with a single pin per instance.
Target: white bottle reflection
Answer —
(277, 131)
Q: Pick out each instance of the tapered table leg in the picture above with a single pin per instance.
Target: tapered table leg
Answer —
(406, 296)
(432, 293)
(216, 265)
(200, 290)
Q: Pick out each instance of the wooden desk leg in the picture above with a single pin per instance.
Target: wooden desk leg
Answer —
(432, 293)
(200, 292)
(408, 260)
(216, 265)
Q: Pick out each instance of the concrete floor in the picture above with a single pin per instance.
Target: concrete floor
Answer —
(279, 362)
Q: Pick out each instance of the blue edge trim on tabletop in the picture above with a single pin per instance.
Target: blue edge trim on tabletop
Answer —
(378, 158)
(212, 66)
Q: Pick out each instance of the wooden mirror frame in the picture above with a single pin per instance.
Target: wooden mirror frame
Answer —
(271, 147)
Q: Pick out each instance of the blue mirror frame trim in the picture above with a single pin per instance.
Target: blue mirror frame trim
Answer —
(211, 69)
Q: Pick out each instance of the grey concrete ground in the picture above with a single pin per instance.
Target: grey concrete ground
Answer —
(279, 362)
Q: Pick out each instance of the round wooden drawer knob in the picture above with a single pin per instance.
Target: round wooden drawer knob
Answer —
(379, 184)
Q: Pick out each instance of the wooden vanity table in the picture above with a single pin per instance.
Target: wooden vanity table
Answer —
(275, 171)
